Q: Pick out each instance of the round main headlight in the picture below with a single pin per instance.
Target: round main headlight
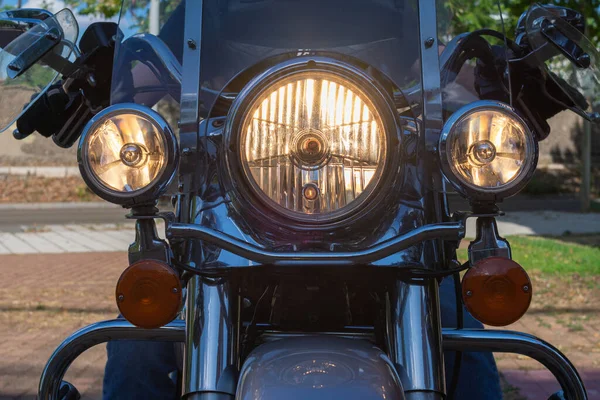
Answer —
(312, 141)
(127, 154)
(487, 151)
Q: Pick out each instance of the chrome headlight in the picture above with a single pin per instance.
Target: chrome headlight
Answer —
(310, 139)
(487, 151)
(127, 154)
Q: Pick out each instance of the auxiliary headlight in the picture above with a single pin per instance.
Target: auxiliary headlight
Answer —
(311, 139)
(487, 151)
(127, 154)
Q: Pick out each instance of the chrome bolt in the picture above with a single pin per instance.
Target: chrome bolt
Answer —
(175, 290)
(191, 44)
(91, 80)
(121, 297)
(469, 293)
(186, 151)
(247, 303)
(429, 42)
(526, 288)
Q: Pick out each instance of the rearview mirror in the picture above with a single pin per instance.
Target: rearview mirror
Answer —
(31, 63)
(570, 61)
(565, 44)
(15, 22)
(26, 13)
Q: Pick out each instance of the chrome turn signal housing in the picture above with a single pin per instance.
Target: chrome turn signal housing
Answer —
(487, 151)
(128, 155)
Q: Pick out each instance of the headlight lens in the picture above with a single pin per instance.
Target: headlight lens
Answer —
(313, 145)
(127, 154)
(488, 149)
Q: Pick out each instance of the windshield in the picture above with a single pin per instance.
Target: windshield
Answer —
(147, 63)
(238, 34)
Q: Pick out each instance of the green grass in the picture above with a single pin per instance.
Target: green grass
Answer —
(552, 255)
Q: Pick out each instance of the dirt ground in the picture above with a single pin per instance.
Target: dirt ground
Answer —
(36, 189)
(44, 298)
(565, 311)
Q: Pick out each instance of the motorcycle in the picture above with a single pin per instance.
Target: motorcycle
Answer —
(308, 149)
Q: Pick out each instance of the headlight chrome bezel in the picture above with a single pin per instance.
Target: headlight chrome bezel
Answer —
(148, 194)
(245, 192)
(468, 190)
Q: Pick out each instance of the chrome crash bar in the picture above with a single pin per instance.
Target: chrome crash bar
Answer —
(454, 340)
(447, 231)
(91, 335)
(498, 341)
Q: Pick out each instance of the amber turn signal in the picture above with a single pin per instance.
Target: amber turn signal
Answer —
(149, 294)
(496, 291)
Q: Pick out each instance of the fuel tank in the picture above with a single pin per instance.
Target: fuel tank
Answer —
(318, 367)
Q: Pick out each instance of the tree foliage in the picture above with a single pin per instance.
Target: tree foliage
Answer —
(455, 16)
(106, 8)
(469, 15)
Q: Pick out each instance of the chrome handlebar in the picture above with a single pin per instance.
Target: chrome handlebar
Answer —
(452, 231)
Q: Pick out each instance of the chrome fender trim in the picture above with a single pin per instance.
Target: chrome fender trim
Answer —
(453, 340)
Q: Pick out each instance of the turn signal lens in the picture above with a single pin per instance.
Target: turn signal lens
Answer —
(149, 294)
(496, 291)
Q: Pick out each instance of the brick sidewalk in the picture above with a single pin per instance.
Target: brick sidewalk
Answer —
(44, 298)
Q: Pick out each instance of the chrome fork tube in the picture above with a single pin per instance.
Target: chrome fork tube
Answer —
(209, 369)
(414, 335)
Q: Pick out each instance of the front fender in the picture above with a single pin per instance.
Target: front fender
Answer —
(318, 367)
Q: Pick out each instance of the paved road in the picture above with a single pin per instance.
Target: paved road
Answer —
(563, 203)
(75, 228)
(14, 217)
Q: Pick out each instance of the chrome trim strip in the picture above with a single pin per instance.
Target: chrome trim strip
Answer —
(445, 231)
(499, 341)
(430, 67)
(453, 340)
(91, 335)
(190, 87)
